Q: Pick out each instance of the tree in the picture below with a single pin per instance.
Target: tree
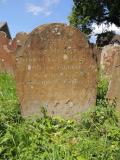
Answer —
(105, 38)
(86, 12)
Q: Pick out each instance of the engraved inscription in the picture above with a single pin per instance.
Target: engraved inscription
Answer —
(57, 72)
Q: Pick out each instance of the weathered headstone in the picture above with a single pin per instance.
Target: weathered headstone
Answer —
(108, 54)
(55, 69)
(6, 56)
(114, 86)
(19, 40)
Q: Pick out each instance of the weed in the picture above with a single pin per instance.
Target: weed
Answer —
(96, 137)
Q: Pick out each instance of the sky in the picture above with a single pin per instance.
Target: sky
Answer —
(25, 15)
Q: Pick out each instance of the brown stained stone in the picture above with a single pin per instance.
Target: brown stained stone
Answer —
(96, 53)
(6, 56)
(114, 86)
(108, 54)
(19, 40)
(55, 70)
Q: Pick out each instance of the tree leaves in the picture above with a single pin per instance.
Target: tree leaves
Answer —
(98, 11)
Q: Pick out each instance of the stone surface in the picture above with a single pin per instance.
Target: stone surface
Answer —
(108, 54)
(6, 55)
(114, 86)
(96, 53)
(55, 69)
(19, 40)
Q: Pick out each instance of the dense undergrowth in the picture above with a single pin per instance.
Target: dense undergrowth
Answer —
(96, 137)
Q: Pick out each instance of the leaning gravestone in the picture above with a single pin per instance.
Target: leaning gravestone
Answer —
(55, 70)
(108, 54)
(114, 86)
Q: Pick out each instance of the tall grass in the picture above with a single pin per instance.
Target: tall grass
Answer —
(96, 137)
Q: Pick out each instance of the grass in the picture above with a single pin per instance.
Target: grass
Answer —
(96, 137)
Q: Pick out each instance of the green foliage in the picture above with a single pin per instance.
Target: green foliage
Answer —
(94, 11)
(96, 137)
(102, 87)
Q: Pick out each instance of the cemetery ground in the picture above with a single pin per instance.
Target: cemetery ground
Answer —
(95, 137)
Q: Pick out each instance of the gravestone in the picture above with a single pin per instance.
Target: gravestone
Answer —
(55, 70)
(19, 40)
(6, 55)
(114, 86)
(108, 54)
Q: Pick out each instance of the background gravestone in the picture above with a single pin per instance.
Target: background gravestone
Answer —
(114, 86)
(6, 54)
(55, 69)
(108, 54)
(19, 39)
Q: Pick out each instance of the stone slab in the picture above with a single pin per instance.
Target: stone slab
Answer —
(55, 69)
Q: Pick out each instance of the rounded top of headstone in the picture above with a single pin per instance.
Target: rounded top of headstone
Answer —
(21, 37)
(19, 40)
(55, 69)
(58, 31)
